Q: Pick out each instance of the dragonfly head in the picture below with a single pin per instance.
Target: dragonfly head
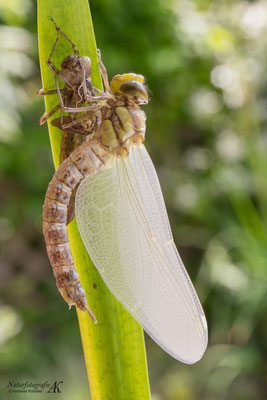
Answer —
(72, 69)
(131, 85)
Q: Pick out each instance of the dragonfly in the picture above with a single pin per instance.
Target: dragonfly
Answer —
(119, 207)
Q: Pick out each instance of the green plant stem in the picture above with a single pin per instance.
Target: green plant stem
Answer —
(114, 348)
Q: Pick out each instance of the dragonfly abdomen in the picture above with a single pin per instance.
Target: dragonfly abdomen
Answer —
(84, 161)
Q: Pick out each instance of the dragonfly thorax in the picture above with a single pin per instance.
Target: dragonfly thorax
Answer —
(122, 124)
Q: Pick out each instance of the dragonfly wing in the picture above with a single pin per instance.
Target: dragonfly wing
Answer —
(124, 225)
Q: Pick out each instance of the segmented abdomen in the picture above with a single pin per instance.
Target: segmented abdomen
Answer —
(86, 160)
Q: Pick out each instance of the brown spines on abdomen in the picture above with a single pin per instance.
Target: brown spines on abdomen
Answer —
(82, 162)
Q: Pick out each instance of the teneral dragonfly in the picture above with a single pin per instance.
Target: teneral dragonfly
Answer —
(120, 211)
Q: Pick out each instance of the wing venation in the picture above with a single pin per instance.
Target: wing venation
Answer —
(124, 225)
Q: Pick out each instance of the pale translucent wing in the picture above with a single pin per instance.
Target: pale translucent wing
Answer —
(123, 222)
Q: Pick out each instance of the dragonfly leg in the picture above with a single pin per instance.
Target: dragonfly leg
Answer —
(90, 87)
(54, 69)
(78, 109)
(58, 90)
(59, 31)
(104, 72)
(55, 73)
(42, 92)
(49, 61)
(86, 85)
(67, 125)
(100, 92)
(106, 96)
(46, 115)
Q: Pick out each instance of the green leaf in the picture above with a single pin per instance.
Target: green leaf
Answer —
(114, 348)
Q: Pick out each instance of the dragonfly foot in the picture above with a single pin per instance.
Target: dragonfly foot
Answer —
(93, 318)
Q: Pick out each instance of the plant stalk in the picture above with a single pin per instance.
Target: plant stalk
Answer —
(114, 348)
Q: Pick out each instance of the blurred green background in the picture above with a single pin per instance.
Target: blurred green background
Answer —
(205, 63)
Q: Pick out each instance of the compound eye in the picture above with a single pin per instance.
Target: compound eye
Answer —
(135, 89)
(68, 61)
(86, 63)
(66, 75)
(131, 87)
